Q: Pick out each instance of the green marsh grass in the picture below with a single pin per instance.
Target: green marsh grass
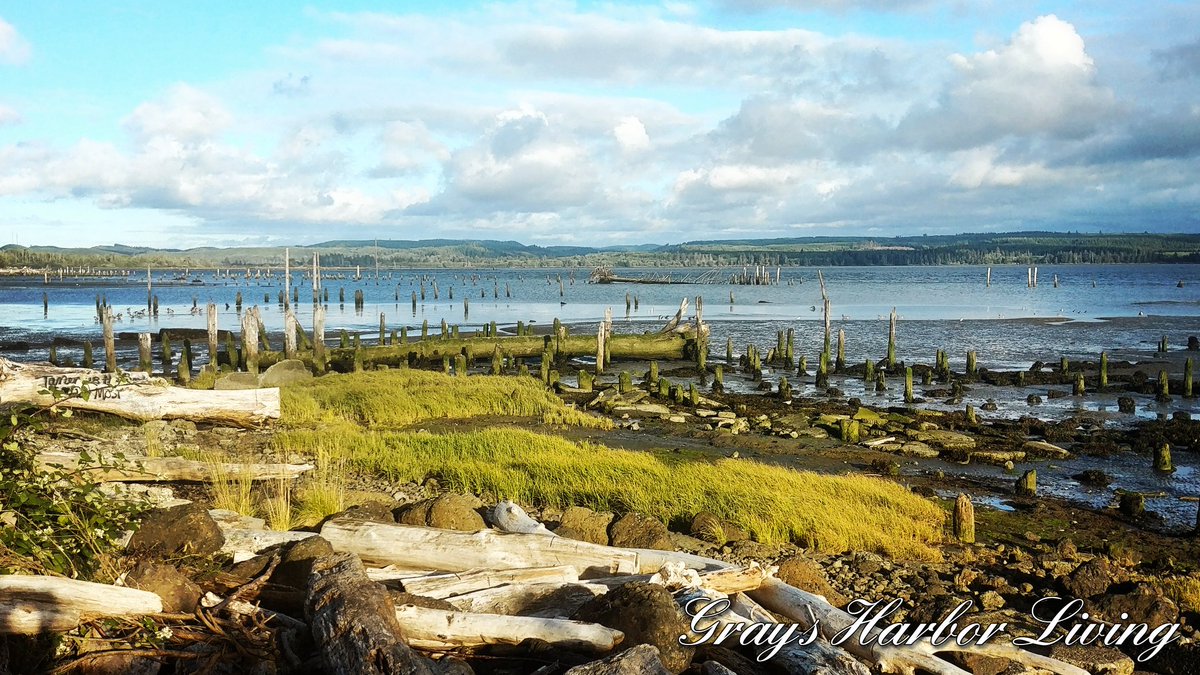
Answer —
(399, 398)
(775, 504)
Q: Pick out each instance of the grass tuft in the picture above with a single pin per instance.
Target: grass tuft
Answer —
(323, 492)
(231, 490)
(775, 504)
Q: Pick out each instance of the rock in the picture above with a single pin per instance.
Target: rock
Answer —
(1144, 605)
(296, 563)
(1042, 448)
(715, 668)
(585, 524)
(990, 405)
(642, 659)
(1094, 477)
(1033, 399)
(374, 512)
(116, 663)
(633, 530)
(645, 613)
(1095, 659)
(949, 440)
(807, 575)
(1126, 404)
(1091, 578)
(990, 600)
(179, 594)
(919, 449)
(285, 372)
(447, 512)
(977, 664)
(711, 528)
(179, 530)
(641, 410)
(237, 381)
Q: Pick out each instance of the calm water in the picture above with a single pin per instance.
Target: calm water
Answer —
(939, 307)
(1124, 309)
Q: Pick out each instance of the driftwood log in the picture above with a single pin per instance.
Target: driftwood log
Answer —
(354, 623)
(150, 469)
(447, 585)
(30, 605)
(436, 630)
(134, 395)
(451, 551)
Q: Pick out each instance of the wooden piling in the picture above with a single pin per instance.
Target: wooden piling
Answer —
(891, 349)
(823, 371)
(825, 303)
(1078, 389)
(971, 363)
(185, 362)
(1162, 459)
(989, 277)
(802, 369)
(250, 339)
(964, 512)
(165, 353)
(789, 348)
(289, 334)
(1027, 484)
(86, 362)
(729, 350)
(45, 304)
(624, 382)
(868, 371)
(1164, 387)
(1064, 365)
(840, 363)
(1162, 345)
(144, 363)
(237, 302)
(1187, 378)
(319, 339)
(1103, 370)
(908, 385)
(460, 365)
(53, 357)
(971, 418)
(719, 378)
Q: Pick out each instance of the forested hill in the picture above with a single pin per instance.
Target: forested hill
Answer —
(991, 249)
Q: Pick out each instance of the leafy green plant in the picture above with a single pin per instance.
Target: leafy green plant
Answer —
(56, 522)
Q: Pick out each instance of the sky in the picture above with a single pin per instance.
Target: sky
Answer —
(599, 123)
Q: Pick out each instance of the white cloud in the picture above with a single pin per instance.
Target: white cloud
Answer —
(1042, 82)
(185, 113)
(9, 115)
(631, 134)
(14, 50)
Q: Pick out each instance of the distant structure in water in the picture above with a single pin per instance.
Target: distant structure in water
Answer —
(760, 275)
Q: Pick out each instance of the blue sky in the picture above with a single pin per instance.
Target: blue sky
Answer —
(183, 124)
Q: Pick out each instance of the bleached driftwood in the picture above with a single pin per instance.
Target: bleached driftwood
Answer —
(451, 551)
(242, 544)
(509, 517)
(151, 469)
(30, 605)
(436, 629)
(801, 607)
(354, 624)
(794, 659)
(554, 600)
(727, 581)
(134, 395)
(447, 585)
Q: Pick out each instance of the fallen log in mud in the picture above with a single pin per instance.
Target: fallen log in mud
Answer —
(134, 395)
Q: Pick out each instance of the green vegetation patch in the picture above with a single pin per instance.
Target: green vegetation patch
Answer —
(775, 504)
(392, 399)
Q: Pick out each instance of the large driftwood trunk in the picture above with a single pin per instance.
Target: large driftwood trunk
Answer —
(447, 585)
(30, 605)
(135, 395)
(354, 622)
(450, 551)
(149, 469)
(437, 629)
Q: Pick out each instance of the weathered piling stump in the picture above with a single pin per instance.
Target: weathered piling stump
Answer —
(185, 362)
(460, 365)
(850, 431)
(319, 339)
(45, 304)
(1079, 388)
(785, 389)
(290, 326)
(880, 382)
(382, 327)
(1162, 345)
(1027, 484)
(1103, 379)
(87, 354)
(964, 519)
(624, 382)
(693, 395)
(166, 354)
(1187, 379)
(585, 379)
(1162, 459)
(802, 369)
(729, 350)
(1064, 366)
(718, 384)
(868, 371)
(823, 371)
(972, 369)
(971, 418)
(497, 361)
(144, 363)
(908, 385)
(53, 357)
(891, 348)
(110, 342)
(237, 302)
(840, 363)
(250, 340)
(1164, 388)
(664, 388)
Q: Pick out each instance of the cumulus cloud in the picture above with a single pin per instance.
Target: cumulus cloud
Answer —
(1180, 61)
(631, 134)
(14, 50)
(185, 113)
(1042, 82)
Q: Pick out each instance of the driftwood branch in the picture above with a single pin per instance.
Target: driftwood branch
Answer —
(436, 629)
(170, 469)
(134, 395)
(447, 585)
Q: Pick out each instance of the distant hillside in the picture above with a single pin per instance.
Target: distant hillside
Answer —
(991, 249)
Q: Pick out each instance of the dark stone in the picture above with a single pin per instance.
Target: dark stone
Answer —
(807, 575)
(1091, 578)
(1033, 399)
(584, 524)
(373, 512)
(1094, 477)
(447, 512)
(646, 614)
(641, 660)
(187, 529)
(633, 530)
(1193, 343)
(1094, 658)
(179, 594)
(1143, 605)
(978, 664)
(990, 405)
(296, 563)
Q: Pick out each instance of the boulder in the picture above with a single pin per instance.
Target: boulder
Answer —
(296, 563)
(180, 530)
(1144, 605)
(1091, 578)
(646, 614)
(285, 372)
(948, 440)
(807, 575)
(641, 660)
(633, 530)
(179, 593)
(237, 381)
(710, 527)
(446, 512)
(585, 524)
